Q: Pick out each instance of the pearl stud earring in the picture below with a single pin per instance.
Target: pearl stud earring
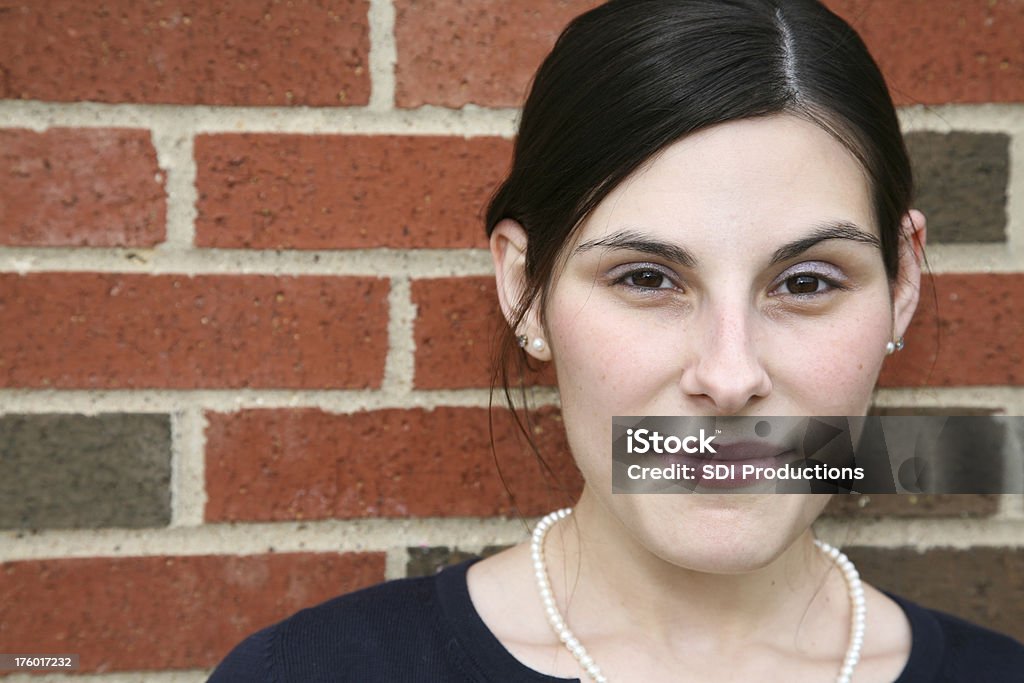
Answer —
(538, 344)
(893, 347)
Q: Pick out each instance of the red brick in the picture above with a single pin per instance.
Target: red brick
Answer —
(975, 338)
(982, 585)
(149, 613)
(896, 505)
(324, 191)
(96, 187)
(457, 330)
(300, 52)
(454, 52)
(458, 323)
(111, 331)
(938, 51)
(301, 464)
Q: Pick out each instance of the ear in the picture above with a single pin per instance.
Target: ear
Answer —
(508, 251)
(907, 289)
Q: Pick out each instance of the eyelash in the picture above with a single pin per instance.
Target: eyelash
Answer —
(831, 282)
(639, 269)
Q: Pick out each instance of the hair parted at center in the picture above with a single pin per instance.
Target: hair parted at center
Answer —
(630, 77)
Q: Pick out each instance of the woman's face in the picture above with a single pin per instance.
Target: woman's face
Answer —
(737, 273)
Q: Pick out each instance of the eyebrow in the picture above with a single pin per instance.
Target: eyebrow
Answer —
(638, 241)
(840, 230)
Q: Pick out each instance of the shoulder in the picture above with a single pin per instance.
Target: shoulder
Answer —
(350, 637)
(979, 649)
(953, 649)
(396, 608)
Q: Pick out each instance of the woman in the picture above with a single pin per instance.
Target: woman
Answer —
(708, 214)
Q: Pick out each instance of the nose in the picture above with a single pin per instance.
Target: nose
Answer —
(725, 373)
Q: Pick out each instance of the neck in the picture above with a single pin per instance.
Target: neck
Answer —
(608, 583)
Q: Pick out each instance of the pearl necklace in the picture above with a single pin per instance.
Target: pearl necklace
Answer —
(561, 629)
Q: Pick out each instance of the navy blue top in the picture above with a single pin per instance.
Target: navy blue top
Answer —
(426, 629)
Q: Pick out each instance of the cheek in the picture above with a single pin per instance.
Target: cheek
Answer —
(593, 383)
(609, 363)
(607, 360)
(615, 354)
(833, 369)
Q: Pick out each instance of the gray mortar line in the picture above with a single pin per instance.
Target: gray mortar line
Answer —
(399, 365)
(975, 258)
(188, 481)
(91, 401)
(1015, 404)
(383, 55)
(377, 535)
(1015, 197)
(94, 402)
(361, 535)
(190, 676)
(176, 257)
(974, 118)
(395, 562)
(469, 121)
(1011, 507)
(174, 154)
(999, 397)
(412, 263)
(923, 534)
(179, 425)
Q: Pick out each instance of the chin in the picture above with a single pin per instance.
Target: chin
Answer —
(721, 533)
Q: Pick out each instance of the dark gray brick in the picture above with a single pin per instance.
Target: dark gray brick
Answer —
(983, 585)
(961, 181)
(76, 471)
(973, 480)
(426, 561)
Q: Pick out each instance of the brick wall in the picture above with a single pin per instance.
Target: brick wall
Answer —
(240, 245)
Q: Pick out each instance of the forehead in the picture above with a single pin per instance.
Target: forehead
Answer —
(749, 182)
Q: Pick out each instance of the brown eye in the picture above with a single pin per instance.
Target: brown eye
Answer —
(803, 284)
(648, 279)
